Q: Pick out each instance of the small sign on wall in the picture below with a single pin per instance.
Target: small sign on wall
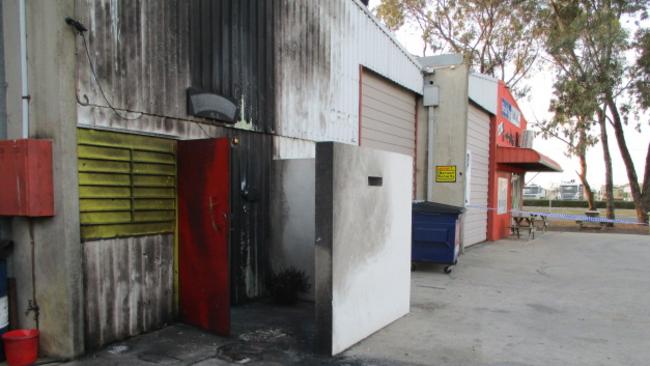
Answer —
(445, 174)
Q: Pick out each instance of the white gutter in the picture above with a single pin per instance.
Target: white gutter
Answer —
(23, 68)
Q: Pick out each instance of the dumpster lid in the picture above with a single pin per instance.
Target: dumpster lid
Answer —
(435, 207)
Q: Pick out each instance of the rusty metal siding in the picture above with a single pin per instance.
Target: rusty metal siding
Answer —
(128, 287)
(231, 55)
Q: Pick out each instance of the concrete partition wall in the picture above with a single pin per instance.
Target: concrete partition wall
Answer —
(363, 242)
(292, 217)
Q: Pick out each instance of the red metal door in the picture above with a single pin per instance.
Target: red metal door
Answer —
(203, 227)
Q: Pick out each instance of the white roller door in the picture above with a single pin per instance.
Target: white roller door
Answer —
(478, 138)
(387, 115)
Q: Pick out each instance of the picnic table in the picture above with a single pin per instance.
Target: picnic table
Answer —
(528, 221)
(593, 224)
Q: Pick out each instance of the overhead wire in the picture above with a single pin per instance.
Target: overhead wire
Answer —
(99, 85)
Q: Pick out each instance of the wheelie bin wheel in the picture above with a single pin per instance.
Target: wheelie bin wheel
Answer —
(448, 269)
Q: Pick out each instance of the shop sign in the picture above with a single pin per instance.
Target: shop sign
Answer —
(510, 113)
(445, 174)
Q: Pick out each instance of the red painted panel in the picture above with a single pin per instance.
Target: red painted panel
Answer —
(510, 134)
(26, 187)
(203, 227)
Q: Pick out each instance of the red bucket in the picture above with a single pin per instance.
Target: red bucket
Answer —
(21, 346)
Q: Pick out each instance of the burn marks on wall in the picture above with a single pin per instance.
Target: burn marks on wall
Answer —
(232, 54)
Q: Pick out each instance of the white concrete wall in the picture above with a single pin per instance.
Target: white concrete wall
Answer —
(449, 133)
(292, 217)
(52, 115)
(363, 242)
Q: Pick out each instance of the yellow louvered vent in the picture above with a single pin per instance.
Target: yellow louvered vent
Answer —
(127, 184)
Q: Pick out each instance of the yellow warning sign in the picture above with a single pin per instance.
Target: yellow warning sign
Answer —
(445, 174)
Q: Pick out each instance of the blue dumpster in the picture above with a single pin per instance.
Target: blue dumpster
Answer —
(436, 233)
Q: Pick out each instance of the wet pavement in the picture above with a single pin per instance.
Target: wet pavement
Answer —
(562, 299)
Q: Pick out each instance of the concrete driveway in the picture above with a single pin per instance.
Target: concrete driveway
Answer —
(562, 299)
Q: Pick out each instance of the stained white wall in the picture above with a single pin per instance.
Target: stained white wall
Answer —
(363, 242)
(292, 217)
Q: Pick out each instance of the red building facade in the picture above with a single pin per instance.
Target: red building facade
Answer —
(511, 156)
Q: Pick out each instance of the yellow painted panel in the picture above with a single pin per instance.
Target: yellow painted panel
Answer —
(121, 230)
(88, 204)
(102, 166)
(153, 216)
(154, 204)
(154, 192)
(106, 153)
(160, 169)
(132, 141)
(91, 179)
(113, 217)
(154, 180)
(107, 192)
(118, 171)
(153, 157)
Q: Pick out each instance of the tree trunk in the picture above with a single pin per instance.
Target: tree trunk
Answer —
(641, 213)
(589, 194)
(609, 178)
(582, 155)
(645, 200)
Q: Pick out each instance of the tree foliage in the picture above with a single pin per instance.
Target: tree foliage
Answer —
(588, 44)
(496, 37)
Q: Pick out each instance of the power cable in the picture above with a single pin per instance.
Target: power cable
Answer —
(81, 30)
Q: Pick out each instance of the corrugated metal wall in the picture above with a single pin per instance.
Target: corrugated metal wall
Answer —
(250, 203)
(295, 62)
(142, 52)
(478, 143)
(127, 196)
(387, 115)
(319, 48)
(128, 287)
(232, 55)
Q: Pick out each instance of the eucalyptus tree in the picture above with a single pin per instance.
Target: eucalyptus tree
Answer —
(588, 43)
(573, 108)
(497, 37)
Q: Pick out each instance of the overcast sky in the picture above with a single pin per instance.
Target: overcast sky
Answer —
(535, 107)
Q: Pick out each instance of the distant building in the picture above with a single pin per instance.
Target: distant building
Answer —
(621, 193)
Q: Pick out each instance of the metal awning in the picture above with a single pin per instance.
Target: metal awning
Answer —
(526, 159)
